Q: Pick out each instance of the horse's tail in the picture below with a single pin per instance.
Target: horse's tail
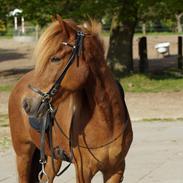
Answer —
(122, 94)
(35, 167)
(128, 125)
(128, 132)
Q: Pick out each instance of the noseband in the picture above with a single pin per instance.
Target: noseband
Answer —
(45, 123)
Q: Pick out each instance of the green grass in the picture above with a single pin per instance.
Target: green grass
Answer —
(4, 120)
(162, 120)
(167, 82)
(5, 142)
(5, 88)
(6, 37)
(158, 33)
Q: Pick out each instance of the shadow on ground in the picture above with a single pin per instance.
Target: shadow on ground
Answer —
(158, 69)
(10, 55)
(156, 65)
(11, 72)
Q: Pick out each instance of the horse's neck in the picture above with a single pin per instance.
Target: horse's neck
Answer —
(103, 90)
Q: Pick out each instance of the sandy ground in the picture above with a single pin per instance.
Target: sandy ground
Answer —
(155, 157)
(155, 105)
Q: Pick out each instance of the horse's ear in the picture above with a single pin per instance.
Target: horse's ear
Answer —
(63, 25)
(53, 18)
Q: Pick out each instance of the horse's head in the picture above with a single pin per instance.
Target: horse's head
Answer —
(60, 44)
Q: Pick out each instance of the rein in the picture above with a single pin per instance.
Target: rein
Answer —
(44, 124)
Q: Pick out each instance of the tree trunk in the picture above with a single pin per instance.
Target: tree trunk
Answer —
(120, 57)
(180, 56)
(144, 29)
(179, 25)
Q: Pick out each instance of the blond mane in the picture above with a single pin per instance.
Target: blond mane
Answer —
(50, 41)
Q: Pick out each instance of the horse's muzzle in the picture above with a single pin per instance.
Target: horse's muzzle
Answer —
(37, 112)
(34, 106)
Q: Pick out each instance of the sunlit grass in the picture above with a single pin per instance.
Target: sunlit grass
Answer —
(161, 120)
(159, 34)
(6, 87)
(166, 82)
(4, 120)
(5, 142)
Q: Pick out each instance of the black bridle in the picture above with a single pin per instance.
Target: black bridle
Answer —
(46, 122)
(76, 50)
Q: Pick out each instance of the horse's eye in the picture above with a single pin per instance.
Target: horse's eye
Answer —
(55, 59)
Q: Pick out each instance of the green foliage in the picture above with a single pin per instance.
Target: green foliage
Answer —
(39, 11)
(119, 15)
(2, 27)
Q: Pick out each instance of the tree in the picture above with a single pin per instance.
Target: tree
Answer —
(41, 11)
(125, 18)
(5, 8)
(176, 9)
(125, 15)
(121, 35)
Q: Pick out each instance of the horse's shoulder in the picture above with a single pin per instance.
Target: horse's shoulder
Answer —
(21, 85)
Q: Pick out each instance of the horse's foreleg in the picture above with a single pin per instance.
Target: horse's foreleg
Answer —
(114, 176)
(24, 161)
(51, 173)
(83, 172)
(83, 175)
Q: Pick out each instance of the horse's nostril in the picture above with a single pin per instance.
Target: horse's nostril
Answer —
(26, 105)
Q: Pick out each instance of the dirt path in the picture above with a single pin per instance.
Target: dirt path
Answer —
(15, 55)
(155, 105)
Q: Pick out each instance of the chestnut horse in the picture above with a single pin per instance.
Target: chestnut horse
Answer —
(90, 111)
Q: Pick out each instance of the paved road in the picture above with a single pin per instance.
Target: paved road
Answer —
(156, 156)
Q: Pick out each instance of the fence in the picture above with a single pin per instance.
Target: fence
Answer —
(156, 53)
(144, 29)
(26, 34)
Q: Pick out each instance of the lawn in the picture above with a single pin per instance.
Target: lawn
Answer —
(5, 87)
(4, 120)
(165, 82)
